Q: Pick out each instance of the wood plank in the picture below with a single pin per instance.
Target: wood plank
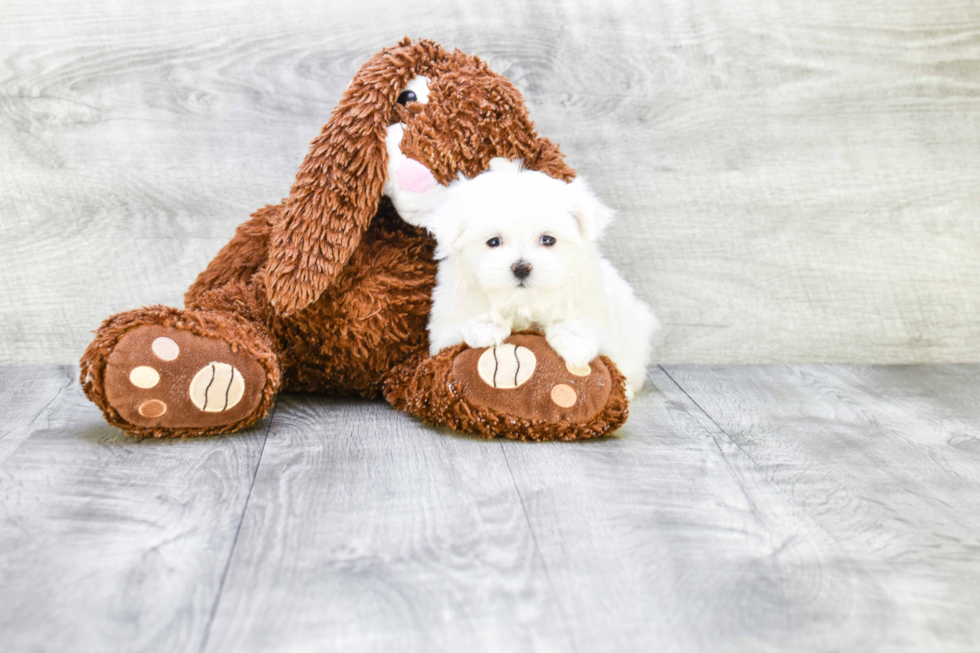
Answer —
(886, 460)
(115, 544)
(366, 531)
(795, 182)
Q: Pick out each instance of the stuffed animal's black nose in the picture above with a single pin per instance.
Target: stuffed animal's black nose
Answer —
(521, 269)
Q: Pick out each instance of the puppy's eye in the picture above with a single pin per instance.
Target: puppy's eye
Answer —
(406, 96)
(494, 242)
(548, 241)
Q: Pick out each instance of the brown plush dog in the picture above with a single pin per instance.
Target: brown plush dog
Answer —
(329, 291)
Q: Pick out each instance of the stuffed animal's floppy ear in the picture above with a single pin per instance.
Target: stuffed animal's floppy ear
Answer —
(591, 214)
(340, 183)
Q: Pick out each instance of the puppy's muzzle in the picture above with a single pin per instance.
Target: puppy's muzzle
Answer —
(521, 269)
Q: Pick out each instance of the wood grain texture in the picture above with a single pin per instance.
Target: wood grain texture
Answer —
(25, 394)
(881, 462)
(367, 531)
(669, 538)
(801, 508)
(795, 182)
(109, 543)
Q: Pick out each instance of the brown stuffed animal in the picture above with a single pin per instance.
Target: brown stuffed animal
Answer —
(329, 292)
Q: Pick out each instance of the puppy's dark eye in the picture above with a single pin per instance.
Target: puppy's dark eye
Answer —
(548, 241)
(494, 242)
(407, 96)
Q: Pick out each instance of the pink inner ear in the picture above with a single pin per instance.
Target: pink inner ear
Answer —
(415, 177)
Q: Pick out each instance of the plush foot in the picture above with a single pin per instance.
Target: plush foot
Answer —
(167, 379)
(521, 389)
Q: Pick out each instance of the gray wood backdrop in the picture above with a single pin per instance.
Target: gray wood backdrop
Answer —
(796, 181)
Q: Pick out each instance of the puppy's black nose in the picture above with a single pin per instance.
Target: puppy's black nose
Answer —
(521, 269)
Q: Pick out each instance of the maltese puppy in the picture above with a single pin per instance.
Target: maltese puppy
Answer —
(517, 250)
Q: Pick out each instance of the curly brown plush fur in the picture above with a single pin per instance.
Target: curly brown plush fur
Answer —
(330, 290)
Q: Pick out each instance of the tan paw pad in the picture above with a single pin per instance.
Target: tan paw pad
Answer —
(217, 387)
(578, 370)
(506, 366)
(152, 408)
(564, 395)
(144, 377)
(165, 349)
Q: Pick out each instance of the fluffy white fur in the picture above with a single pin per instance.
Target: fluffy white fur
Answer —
(573, 294)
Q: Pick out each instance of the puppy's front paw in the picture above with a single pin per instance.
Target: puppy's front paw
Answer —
(575, 342)
(485, 331)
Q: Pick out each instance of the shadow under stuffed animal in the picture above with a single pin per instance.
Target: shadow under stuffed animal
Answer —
(329, 291)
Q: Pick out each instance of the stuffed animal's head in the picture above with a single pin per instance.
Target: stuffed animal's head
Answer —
(413, 119)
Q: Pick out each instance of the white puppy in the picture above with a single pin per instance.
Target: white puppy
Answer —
(517, 250)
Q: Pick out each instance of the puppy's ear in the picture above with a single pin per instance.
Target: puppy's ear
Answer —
(339, 184)
(591, 214)
(445, 225)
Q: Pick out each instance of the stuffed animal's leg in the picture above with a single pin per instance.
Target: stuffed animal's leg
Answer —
(521, 389)
(162, 372)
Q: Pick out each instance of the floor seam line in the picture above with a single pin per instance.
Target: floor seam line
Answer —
(537, 550)
(61, 391)
(238, 529)
(754, 462)
(745, 492)
(710, 418)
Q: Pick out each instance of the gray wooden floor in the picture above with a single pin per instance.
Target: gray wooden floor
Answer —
(806, 508)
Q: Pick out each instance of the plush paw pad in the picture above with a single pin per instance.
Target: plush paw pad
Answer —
(506, 366)
(144, 377)
(526, 378)
(172, 378)
(152, 408)
(217, 387)
(564, 395)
